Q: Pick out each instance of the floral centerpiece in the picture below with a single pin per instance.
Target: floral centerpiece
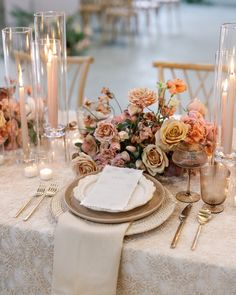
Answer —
(144, 135)
(10, 121)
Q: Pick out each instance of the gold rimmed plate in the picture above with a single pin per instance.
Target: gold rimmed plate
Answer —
(120, 217)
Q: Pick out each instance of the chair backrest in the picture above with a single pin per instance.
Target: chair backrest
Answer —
(78, 68)
(198, 77)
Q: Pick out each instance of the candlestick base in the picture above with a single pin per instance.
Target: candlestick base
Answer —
(54, 132)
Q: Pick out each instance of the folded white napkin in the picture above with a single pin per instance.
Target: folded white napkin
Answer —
(86, 256)
(113, 189)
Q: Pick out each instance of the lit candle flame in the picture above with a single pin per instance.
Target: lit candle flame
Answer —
(49, 55)
(48, 41)
(225, 85)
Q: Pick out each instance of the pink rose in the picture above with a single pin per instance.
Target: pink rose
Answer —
(105, 131)
(210, 131)
(89, 145)
(197, 105)
(118, 161)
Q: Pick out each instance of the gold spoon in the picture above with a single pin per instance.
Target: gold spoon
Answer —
(204, 215)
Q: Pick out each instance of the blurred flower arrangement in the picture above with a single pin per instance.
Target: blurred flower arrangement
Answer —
(77, 41)
(10, 126)
(141, 137)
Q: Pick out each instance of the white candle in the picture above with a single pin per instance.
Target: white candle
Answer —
(31, 171)
(229, 112)
(224, 112)
(46, 173)
(52, 81)
(24, 125)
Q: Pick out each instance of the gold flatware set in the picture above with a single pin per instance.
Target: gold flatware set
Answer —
(41, 192)
(204, 215)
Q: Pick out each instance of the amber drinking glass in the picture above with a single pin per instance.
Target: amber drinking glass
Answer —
(189, 157)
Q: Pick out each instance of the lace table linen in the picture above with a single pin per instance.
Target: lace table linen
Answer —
(148, 265)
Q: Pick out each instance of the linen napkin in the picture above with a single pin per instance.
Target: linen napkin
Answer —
(113, 189)
(86, 256)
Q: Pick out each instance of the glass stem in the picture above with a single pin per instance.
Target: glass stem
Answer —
(188, 185)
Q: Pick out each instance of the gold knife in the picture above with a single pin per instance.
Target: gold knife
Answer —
(182, 217)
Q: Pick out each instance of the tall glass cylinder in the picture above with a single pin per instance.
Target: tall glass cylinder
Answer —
(20, 106)
(50, 56)
(225, 94)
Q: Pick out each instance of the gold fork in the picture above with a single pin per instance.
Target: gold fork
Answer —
(40, 191)
(52, 190)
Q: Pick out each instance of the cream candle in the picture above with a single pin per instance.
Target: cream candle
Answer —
(52, 82)
(229, 111)
(31, 171)
(46, 174)
(24, 125)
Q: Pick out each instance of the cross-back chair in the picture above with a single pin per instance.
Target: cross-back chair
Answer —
(198, 77)
(78, 68)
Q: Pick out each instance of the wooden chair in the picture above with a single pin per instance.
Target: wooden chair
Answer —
(78, 68)
(147, 6)
(120, 11)
(198, 77)
(87, 9)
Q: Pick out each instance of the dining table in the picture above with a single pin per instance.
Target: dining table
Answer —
(148, 264)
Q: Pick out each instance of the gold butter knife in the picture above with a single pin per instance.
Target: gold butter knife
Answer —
(182, 217)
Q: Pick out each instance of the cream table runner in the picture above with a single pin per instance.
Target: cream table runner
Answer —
(86, 257)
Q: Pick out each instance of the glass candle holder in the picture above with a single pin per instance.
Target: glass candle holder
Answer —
(225, 95)
(50, 58)
(22, 116)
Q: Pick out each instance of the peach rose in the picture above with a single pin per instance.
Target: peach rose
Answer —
(196, 130)
(2, 119)
(142, 97)
(197, 105)
(171, 133)
(105, 131)
(83, 165)
(154, 159)
(176, 86)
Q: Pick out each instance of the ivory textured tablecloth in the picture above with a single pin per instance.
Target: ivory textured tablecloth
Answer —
(148, 265)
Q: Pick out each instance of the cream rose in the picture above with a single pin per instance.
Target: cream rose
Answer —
(83, 165)
(105, 131)
(171, 133)
(154, 159)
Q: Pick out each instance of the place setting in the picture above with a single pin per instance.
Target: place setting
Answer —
(106, 196)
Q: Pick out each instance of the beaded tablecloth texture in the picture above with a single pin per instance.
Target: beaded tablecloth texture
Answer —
(148, 265)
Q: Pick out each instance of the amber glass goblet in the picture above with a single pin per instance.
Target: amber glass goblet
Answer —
(189, 156)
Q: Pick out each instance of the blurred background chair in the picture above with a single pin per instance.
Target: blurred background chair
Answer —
(198, 77)
(120, 12)
(77, 68)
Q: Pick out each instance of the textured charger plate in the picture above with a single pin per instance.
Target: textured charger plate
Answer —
(110, 217)
(148, 223)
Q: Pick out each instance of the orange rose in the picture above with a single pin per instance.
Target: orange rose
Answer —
(176, 86)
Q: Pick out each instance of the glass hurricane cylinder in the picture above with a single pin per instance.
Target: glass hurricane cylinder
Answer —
(50, 56)
(225, 95)
(21, 118)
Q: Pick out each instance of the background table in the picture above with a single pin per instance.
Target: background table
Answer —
(148, 265)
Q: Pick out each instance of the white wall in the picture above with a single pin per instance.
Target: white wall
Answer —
(69, 6)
